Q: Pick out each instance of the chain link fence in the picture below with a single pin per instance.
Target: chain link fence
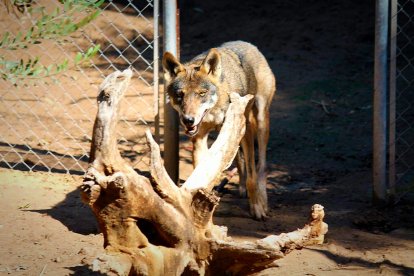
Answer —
(402, 95)
(46, 124)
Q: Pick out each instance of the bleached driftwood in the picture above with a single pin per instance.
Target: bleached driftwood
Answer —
(153, 227)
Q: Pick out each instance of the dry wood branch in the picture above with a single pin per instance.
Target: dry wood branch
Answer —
(313, 233)
(249, 257)
(104, 151)
(152, 227)
(224, 149)
(162, 182)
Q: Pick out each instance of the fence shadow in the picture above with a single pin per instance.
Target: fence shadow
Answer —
(43, 160)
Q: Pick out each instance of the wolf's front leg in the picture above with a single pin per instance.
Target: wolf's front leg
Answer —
(200, 147)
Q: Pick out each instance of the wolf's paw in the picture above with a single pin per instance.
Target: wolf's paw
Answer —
(258, 211)
(258, 203)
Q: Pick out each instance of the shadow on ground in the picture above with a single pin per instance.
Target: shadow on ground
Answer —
(74, 214)
(355, 261)
(83, 270)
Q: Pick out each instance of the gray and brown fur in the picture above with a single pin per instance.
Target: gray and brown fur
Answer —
(199, 90)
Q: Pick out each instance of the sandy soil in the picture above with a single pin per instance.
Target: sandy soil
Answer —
(321, 54)
(44, 226)
(46, 230)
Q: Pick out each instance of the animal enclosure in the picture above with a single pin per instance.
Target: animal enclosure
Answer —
(50, 131)
(320, 147)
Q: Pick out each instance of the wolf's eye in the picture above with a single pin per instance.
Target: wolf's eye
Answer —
(203, 93)
(180, 95)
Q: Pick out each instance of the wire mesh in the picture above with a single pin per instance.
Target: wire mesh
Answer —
(46, 124)
(402, 94)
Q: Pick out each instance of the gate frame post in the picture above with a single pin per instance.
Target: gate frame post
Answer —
(380, 104)
(392, 100)
(171, 121)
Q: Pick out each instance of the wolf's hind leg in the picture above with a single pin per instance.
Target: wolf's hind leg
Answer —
(262, 119)
(257, 200)
(241, 168)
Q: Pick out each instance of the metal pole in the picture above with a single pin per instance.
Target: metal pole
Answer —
(171, 122)
(380, 103)
(392, 97)
(156, 72)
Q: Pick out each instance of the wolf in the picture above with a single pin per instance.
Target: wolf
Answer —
(199, 90)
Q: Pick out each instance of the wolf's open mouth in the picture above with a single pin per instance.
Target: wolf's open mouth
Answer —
(193, 130)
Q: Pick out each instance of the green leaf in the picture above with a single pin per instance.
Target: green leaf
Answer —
(28, 65)
(29, 33)
(48, 70)
(66, 5)
(89, 52)
(35, 61)
(65, 64)
(5, 39)
(98, 4)
(36, 71)
(78, 57)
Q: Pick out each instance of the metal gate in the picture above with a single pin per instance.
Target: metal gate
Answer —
(401, 98)
(393, 162)
(46, 124)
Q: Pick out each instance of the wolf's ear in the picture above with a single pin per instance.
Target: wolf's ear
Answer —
(212, 63)
(171, 66)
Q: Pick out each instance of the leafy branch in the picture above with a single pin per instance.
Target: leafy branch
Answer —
(62, 21)
(15, 71)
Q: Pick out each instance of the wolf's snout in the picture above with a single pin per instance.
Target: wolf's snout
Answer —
(188, 120)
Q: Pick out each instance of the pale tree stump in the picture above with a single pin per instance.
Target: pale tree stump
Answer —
(153, 227)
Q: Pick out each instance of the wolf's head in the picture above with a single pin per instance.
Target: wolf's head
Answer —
(192, 89)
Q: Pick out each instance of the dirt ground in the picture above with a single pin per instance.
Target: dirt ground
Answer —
(46, 230)
(319, 151)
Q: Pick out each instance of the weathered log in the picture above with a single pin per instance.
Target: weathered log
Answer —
(224, 149)
(153, 227)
